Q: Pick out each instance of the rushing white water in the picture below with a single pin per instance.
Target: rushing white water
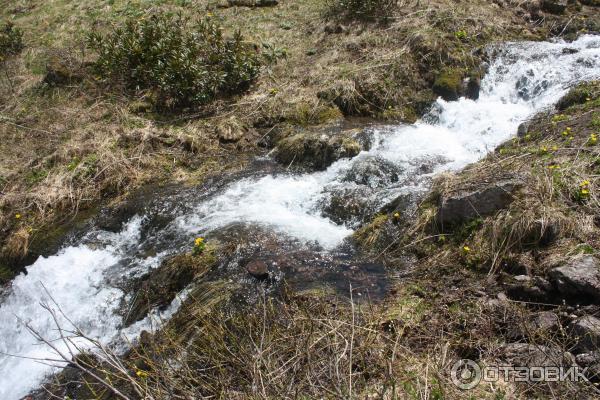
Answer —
(523, 79)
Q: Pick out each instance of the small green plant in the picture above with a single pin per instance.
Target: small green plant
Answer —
(11, 40)
(199, 246)
(179, 63)
(461, 35)
(362, 9)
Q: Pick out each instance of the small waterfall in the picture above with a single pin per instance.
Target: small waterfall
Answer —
(523, 79)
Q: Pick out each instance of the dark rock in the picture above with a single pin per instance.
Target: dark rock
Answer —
(464, 206)
(523, 129)
(472, 87)
(545, 321)
(536, 289)
(569, 50)
(160, 286)
(554, 6)
(448, 85)
(580, 277)
(314, 150)
(525, 354)
(258, 269)
(373, 172)
(348, 204)
(586, 331)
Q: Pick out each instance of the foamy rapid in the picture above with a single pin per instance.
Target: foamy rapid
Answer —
(523, 79)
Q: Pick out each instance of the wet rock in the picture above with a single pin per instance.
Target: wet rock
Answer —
(555, 6)
(160, 286)
(461, 207)
(525, 354)
(448, 85)
(523, 129)
(569, 50)
(373, 172)
(346, 205)
(314, 150)
(471, 87)
(586, 331)
(579, 277)
(258, 269)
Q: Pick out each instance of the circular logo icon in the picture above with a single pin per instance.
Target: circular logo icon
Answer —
(466, 374)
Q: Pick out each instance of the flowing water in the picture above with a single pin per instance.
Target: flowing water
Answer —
(86, 279)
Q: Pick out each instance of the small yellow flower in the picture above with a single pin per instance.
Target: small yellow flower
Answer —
(555, 148)
(585, 192)
(17, 216)
(584, 184)
(588, 99)
(569, 128)
(141, 374)
(396, 215)
(199, 241)
(466, 249)
(209, 14)
(593, 139)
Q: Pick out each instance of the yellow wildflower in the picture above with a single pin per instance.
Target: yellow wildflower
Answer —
(585, 183)
(18, 216)
(466, 249)
(199, 241)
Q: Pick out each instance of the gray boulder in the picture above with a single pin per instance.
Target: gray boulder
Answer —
(580, 277)
(586, 331)
(525, 354)
(460, 207)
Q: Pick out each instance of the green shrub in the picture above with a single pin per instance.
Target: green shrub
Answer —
(178, 62)
(362, 9)
(11, 40)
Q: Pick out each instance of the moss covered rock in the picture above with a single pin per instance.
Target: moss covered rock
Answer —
(448, 84)
(316, 150)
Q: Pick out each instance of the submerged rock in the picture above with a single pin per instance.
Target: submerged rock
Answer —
(258, 269)
(460, 207)
(579, 277)
(373, 172)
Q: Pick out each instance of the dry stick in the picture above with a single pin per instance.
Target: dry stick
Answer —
(351, 345)
(75, 362)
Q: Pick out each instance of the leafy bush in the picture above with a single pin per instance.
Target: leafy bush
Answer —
(180, 63)
(11, 41)
(362, 9)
